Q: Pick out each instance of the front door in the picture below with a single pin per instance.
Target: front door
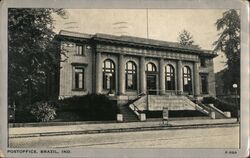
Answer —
(151, 84)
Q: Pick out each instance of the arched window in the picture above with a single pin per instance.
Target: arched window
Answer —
(131, 75)
(151, 67)
(108, 69)
(187, 79)
(169, 77)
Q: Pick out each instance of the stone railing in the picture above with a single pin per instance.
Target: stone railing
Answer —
(196, 106)
(139, 105)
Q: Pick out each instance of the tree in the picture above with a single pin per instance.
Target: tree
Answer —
(185, 38)
(229, 43)
(30, 58)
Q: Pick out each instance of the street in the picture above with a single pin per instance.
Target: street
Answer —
(215, 137)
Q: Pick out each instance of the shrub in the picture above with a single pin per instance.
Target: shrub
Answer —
(43, 111)
(222, 105)
(24, 116)
(90, 107)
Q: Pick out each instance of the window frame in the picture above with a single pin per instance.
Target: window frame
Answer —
(109, 70)
(187, 75)
(74, 82)
(206, 82)
(170, 74)
(82, 50)
(133, 73)
(154, 68)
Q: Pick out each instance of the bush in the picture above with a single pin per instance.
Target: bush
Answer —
(43, 111)
(91, 107)
(24, 116)
(222, 105)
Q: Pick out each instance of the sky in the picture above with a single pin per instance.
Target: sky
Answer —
(159, 24)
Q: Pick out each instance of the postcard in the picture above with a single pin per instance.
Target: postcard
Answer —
(138, 78)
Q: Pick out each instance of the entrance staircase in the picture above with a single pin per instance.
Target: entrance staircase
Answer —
(172, 102)
(128, 114)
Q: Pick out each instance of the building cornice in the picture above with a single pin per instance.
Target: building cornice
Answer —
(133, 42)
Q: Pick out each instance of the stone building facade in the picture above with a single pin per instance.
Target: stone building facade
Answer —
(125, 66)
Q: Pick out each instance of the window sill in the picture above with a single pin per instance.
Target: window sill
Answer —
(204, 93)
(131, 90)
(79, 55)
(78, 89)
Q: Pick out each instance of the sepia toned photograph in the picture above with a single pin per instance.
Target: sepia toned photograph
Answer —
(123, 78)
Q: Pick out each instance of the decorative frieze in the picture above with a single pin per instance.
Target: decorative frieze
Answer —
(146, 52)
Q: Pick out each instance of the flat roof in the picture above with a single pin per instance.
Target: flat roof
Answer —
(137, 40)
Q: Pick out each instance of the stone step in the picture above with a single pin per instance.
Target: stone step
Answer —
(128, 115)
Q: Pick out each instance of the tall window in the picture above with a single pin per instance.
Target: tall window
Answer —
(78, 78)
(204, 84)
(131, 76)
(169, 77)
(108, 69)
(187, 79)
(151, 67)
(203, 62)
(79, 50)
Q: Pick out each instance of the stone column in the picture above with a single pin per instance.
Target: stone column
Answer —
(98, 73)
(196, 79)
(179, 77)
(161, 77)
(142, 76)
(121, 69)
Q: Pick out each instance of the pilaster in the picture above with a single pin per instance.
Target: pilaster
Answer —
(162, 78)
(98, 73)
(179, 77)
(142, 76)
(121, 75)
(196, 79)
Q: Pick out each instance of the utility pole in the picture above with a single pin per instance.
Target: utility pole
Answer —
(147, 21)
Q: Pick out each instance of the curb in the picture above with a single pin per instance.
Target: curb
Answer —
(136, 129)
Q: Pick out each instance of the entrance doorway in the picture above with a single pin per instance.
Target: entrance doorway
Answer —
(151, 84)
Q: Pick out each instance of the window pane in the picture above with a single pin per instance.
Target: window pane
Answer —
(79, 77)
(79, 50)
(204, 84)
(108, 74)
(149, 67)
(168, 68)
(169, 73)
(185, 70)
(168, 78)
(129, 66)
(153, 68)
(187, 79)
(108, 64)
(130, 81)
(130, 75)
(80, 81)
(108, 82)
(76, 81)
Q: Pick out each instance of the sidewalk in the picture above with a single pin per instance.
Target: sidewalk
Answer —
(115, 127)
